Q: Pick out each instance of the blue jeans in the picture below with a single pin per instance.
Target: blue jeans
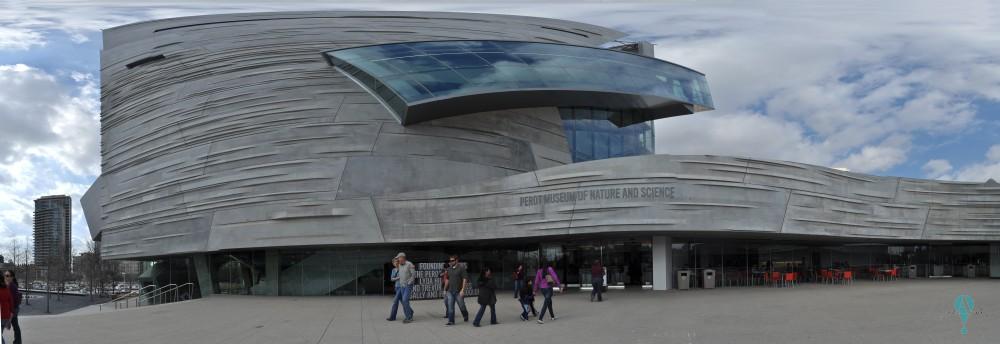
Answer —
(517, 287)
(547, 293)
(482, 309)
(527, 307)
(396, 300)
(451, 299)
(405, 300)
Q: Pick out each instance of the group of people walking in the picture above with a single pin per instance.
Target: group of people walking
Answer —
(455, 284)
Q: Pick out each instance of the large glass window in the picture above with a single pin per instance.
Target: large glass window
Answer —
(406, 76)
(592, 136)
(239, 273)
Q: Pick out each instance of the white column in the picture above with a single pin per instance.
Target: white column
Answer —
(663, 265)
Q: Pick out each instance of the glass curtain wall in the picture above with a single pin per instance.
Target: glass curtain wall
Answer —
(747, 262)
(365, 271)
(592, 136)
(169, 272)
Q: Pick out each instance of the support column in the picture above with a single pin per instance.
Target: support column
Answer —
(663, 266)
(201, 269)
(995, 260)
(272, 268)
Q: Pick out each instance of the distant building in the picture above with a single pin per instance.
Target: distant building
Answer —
(78, 260)
(128, 267)
(53, 228)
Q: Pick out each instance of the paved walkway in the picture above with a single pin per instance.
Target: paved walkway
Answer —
(906, 311)
(62, 304)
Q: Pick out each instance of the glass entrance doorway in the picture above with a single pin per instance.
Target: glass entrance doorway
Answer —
(629, 263)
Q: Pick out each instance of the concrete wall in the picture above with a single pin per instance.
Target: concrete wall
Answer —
(243, 136)
(708, 195)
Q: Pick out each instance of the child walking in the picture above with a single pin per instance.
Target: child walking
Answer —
(527, 297)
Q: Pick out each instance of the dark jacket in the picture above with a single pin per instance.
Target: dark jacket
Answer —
(527, 294)
(487, 291)
(16, 293)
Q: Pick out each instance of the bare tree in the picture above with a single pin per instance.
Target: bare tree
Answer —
(27, 268)
(91, 267)
(13, 249)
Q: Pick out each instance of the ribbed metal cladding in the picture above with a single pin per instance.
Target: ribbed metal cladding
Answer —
(229, 131)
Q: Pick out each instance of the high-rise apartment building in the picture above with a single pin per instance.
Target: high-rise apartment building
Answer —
(53, 230)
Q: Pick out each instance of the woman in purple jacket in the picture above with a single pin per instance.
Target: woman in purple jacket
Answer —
(546, 279)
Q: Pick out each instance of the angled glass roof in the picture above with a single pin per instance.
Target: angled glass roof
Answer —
(421, 81)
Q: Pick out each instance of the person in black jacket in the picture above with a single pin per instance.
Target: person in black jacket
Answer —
(487, 297)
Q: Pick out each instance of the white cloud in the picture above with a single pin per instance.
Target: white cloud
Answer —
(14, 38)
(981, 171)
(876, 158)
(994, 153)
(45, 119)
(741, 134)
(937, 168)
(849, 78)
(48, 143)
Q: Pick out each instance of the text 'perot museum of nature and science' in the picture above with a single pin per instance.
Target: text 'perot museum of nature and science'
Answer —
(295, 153)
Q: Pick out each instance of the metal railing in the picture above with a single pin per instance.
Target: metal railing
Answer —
(164, 294)
(124, 298)
(155, 293)
(171, 294)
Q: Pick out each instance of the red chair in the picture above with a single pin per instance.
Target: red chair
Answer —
(789, 280)
(849, 277)
(826, 276)
(775, 277)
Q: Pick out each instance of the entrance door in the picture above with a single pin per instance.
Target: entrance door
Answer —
(629, 264)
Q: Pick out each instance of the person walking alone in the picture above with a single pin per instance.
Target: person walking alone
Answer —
(407, 274)
(596, 280)
(398, 298)
(11, 279)
(518, 278)
(444, 288)
(458, 279)
(6, 308)
(487, 297)
(546, 279)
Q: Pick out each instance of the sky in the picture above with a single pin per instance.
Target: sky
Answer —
(895, 88)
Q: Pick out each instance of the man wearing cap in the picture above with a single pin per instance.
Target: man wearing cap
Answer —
(407, 273)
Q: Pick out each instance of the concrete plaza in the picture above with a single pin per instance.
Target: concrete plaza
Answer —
(904, 311)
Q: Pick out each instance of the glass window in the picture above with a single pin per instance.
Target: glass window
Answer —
(408, 89)
(592, 136)
(415, 64)
(440, 82)
(501, 58)
(454, 68)
(461, 60)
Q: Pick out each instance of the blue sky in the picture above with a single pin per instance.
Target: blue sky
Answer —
(899, 88)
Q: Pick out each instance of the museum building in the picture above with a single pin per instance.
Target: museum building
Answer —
(294, 153)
